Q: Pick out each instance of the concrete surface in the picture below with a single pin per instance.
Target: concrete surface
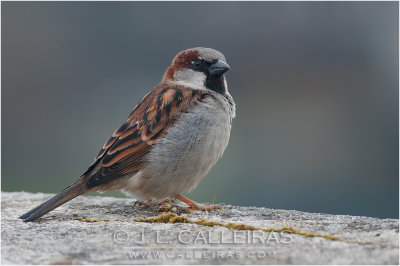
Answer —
(102, 230)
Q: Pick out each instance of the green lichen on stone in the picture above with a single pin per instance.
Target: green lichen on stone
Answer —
(170, 217)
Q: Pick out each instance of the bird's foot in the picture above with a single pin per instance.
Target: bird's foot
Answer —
(194, 205)
(142, 203)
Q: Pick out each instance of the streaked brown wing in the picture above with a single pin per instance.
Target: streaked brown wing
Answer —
(123, 153)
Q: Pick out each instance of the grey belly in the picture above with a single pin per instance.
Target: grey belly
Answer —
(184, 156)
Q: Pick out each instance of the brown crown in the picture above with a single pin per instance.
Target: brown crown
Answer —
(182, 60)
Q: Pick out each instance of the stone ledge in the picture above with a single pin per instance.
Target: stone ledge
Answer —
(102, 230)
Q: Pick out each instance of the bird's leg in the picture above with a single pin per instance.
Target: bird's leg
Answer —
(194, 205)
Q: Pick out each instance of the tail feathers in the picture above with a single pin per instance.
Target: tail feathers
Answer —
(67, 194)
(26, 215)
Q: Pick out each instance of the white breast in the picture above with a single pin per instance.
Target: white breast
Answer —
(190, 148)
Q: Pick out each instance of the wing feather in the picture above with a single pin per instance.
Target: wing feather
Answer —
(124, 152)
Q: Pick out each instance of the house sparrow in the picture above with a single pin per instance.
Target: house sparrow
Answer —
(170, 140)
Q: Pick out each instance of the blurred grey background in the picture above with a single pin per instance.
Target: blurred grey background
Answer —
(316, 87)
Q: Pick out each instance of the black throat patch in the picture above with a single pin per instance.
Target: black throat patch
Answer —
(216, 84)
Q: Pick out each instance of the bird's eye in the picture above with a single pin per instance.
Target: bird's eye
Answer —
(197, 63)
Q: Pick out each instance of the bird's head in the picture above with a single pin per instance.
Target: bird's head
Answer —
(198, 68)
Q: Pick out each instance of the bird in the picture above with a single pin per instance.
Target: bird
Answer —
(169, 142)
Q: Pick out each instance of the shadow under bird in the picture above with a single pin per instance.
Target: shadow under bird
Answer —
(169, 142)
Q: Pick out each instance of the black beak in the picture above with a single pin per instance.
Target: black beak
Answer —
(218, 68)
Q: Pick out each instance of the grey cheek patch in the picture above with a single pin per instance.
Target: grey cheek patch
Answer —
(190, 78)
